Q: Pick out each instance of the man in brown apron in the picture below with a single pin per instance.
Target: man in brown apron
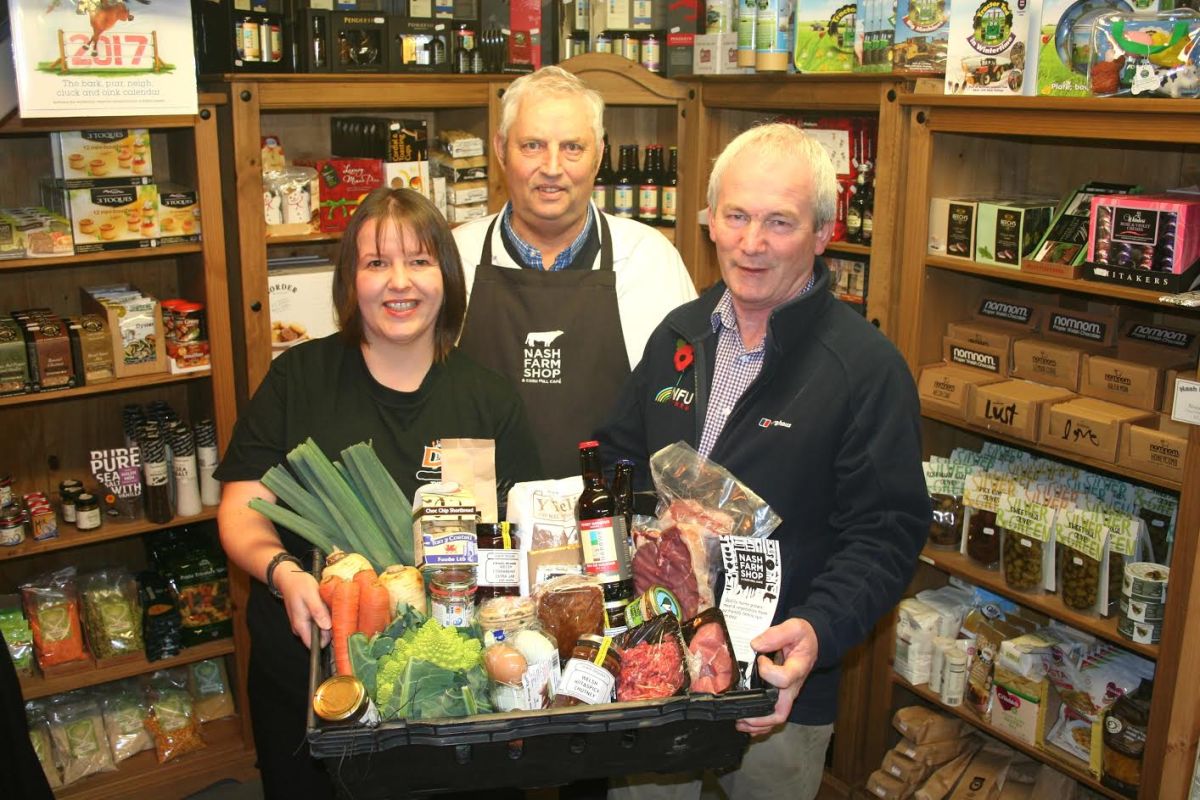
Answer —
(563, 297)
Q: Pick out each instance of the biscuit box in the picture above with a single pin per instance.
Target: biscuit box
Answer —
(344, 182)
(921, 36)
(101, 158)
(301, 305)
(989, 50)
(114, 217)
(1148, 240)
(178, 214)
(1006, 232)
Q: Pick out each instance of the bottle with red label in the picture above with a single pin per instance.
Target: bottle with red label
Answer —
(602, 530)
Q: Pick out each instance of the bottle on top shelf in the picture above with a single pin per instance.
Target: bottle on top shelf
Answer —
(669, 190)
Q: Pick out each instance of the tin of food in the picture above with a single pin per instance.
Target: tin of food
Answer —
(1146, 581)
(344, 699)
(1140, 632)
(1141, 610)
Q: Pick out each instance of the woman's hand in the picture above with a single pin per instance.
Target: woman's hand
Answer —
(303, 602)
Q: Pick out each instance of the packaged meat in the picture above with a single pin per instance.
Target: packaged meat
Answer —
(570, 606)
(710, 653)
(676, 558)
(652, 661)
(722, 503)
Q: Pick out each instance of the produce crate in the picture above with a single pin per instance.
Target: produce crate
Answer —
(532, 748)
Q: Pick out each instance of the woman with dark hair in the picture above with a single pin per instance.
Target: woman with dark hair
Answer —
(390, 375)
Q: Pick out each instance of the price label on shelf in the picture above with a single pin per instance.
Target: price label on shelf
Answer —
(1186, 407)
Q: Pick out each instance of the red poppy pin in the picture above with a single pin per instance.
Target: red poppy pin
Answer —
(685, 354)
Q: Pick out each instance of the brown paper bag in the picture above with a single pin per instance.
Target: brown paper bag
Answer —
(472, 464)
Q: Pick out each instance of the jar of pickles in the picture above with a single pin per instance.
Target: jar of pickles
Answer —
(1024, 525)
(1080, 535)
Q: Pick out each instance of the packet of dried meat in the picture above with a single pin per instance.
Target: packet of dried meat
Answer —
(568, 607)
(39, 736)
(52, 607)
(652, 660)
(698, 502)
(123, 705)
(710, 653)
(674, 557)
(112, 614)
(77, 730)
(172, 719)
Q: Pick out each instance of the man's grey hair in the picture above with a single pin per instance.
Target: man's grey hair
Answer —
(554, 81)
(781, 140)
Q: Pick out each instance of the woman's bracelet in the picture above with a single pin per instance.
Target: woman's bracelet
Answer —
(279, 558)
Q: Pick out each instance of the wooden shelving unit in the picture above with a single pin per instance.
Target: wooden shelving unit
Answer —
(69, 538)
(118, 385)
(167, 251)
(96, 673)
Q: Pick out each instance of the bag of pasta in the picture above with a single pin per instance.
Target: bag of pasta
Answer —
(123, 705)
(112, 614)
(199, 579)
(172, 719)
(77, 731)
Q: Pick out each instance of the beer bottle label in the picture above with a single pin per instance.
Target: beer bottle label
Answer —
(623, 201)
(668, 202)
(601, 550)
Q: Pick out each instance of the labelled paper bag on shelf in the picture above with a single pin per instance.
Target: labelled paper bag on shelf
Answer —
(1157, 445)
(948, 386)
(1089, 427)
(1019, 705)
(1014, 407)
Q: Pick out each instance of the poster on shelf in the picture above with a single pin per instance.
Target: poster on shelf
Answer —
(103, 58)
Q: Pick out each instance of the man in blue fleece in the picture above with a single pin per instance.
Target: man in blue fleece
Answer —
(808, 404)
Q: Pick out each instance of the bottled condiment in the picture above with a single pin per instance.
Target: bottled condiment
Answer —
(602, 530)
(624, 192)
(615, 619)
(649, 604)
(452, 597)
(954, 678)
(650, 188)
(628, 45)
(591, 673)
(1125, 740)
(651, 55)
(344, 699)
(87, 512)
(602, 187)
(669, 190)
(12, 526)
(68, 492)
(154, 476)
(498, 573)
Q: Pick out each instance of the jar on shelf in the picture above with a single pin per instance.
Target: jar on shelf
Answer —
(87, 512)
(520, 655)
(12, 526)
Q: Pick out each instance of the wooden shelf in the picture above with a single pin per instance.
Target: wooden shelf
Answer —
(1064, 763)
(848, 247)
(166, 251)
(1108, 291)
(1052, 605)
(69, 537)
(929, 412)
(305, 238)
(118, 385)
(127, 667)
(226, 756)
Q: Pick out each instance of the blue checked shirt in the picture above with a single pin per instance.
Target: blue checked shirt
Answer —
(735, 370)
(531, 257)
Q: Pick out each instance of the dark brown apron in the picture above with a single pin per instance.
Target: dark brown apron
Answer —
(557, 336)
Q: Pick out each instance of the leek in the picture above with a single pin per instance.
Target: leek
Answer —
(297, 524)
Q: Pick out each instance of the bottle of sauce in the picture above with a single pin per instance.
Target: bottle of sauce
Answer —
(498, 573)
(602, 530)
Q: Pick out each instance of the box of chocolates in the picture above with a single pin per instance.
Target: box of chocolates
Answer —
(1150, 240)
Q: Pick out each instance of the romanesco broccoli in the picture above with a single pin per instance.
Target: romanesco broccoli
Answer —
(443, 647)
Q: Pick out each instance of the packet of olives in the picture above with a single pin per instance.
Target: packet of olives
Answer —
(981, 500)
(1083, 571)
(1127, 542)
(1026, 520)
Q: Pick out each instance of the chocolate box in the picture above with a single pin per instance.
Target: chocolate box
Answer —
(84, 159)
(947, 387)
(1049, 362)
(14, 365)
(1157, 445)
(343, 182)
(1006, 232)
(1080, 327)
(1142, 339)
(1090, 427)
(1146, 240)
(952, 227)
(984, 334)
(1133, 383)
(1014, 407)
(991, 360)
(1017, 315)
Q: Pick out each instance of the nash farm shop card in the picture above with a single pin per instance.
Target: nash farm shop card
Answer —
(85, 58)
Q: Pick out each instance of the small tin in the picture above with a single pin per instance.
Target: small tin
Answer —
(87, 512)
(1141, 610)
(1145, 581)
(344, 699)
(1139, 632)
(12, 527)
(654, 601)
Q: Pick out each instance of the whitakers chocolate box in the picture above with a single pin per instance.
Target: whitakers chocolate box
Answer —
(102, 157)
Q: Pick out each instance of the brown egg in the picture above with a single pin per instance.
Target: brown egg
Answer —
(504, 663)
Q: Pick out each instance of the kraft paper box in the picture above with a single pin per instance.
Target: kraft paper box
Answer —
(1080, 327)
(1144, 339)
(1015, 314)
(1089, 427)
(990, 360)
(456, 170)
(984, 334)
(1048, 362)
(1132, 383)
(99, 158)
(301, 305)
(460, 214)
(952, 227)
(467, 193)
(1014, 407)
(114, 217)
(135, 327)
(1006, 232)
(1019, 705)
(948, 386)
(1157, 445)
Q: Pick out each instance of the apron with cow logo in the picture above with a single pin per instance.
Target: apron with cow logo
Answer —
(557, 336)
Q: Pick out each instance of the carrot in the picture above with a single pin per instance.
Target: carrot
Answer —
(345, 618)
(364, 578)
(328, 583)
(373, 608)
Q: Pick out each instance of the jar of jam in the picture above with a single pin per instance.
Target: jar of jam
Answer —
(344, 699)
(68, 494)
(499, 570)
(945, 531)
(87, 512)
(590, 676)
(452, 597)
(6, 491)
(983, 538)
(12, 526)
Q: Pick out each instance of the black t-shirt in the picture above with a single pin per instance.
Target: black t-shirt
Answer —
(323, 389)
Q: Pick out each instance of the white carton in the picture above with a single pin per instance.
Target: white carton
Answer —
(408, 175)
(301, 305)
(992, 48)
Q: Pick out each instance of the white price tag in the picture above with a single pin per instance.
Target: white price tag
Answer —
(1186, 407)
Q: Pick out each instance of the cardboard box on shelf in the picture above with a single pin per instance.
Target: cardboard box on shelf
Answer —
(948, 386)
(467, 193)
(1089, 427)
(460, 214)
(408, 175)
(1019, 705)
(1014, 407)
(1157, 445)
(301, 304)
(1132, 383)
(952, 227)
(135, 327)
(1006, 231)
(34, 232)
(982, 333)
(1048, 362)
(178, 214)
(114, 217)
(1080, 327)
(343, 182)
(456, 170)
(1141, 339)
(716, 54)
(84, 159)
(991, 360)
(1016, 315)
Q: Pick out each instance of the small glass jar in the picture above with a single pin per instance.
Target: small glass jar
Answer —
(452, 597)
(945, 531)
(1022, 561)
(68, 493)
(590, 676)
(649, 604)
(983, 538)
(499, 570)
(615, 620)
(12, 527)
(344, 699)
(6, 491)
(87, 512)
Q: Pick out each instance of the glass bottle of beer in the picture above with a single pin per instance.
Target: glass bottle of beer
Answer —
(854, 213)
(625, 187)
(602, 529)
(868, 211)
(669, 189)
(623, 492)
(602, 187)
(650, 188)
